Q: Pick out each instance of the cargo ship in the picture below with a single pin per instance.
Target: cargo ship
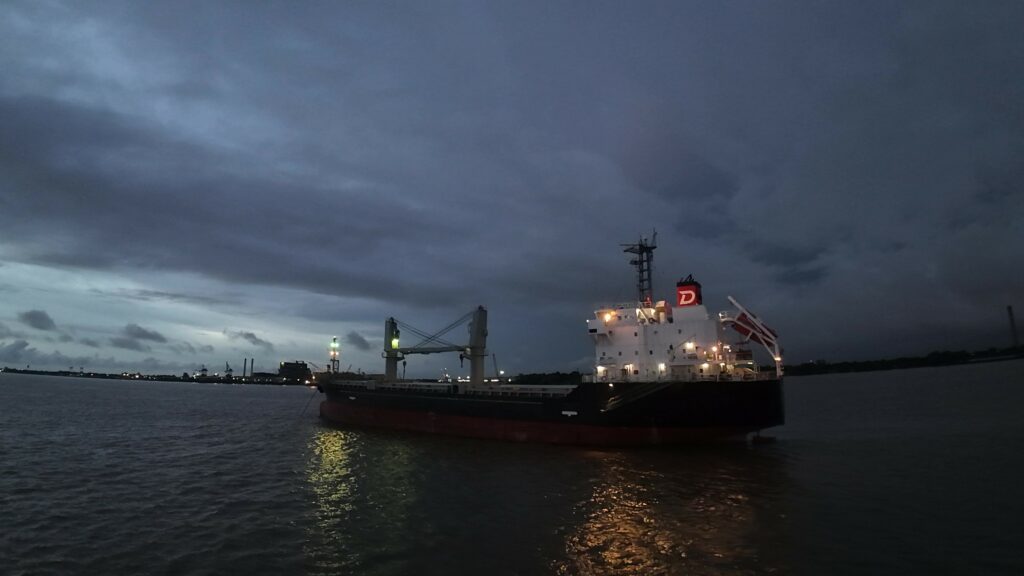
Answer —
(665, 372)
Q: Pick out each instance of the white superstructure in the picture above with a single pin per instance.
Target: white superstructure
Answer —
(648, 342)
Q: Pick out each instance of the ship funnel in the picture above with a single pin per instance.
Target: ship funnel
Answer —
(688, 292)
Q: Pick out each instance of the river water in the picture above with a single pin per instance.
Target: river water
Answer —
(902, 472)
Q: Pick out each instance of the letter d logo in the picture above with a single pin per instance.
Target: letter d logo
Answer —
(687, 296)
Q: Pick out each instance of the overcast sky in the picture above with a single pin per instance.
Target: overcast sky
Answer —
(196, 183)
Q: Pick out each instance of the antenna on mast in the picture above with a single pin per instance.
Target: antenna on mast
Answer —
(644, 263)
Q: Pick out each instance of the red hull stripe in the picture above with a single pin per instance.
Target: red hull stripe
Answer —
(518, 430)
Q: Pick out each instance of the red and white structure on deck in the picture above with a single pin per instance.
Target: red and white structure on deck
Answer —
(647, 341)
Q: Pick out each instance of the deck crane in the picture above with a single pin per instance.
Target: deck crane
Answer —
(475, 350)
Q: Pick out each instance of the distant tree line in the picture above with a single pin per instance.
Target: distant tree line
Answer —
(549, 378)
(940, 358)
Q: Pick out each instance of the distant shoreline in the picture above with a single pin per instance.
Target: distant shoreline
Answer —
(943, 358)
(135, 376)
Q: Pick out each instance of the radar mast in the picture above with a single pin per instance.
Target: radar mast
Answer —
(644, 263)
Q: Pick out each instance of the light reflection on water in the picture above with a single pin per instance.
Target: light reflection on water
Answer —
(397, 504)
(361, 497)
(697, 516)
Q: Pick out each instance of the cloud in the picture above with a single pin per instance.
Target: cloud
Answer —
(5, 332)
(21, 352)
(139, 333)
(158, 295)
(183, 348)
(128, 344)
(89, 342)
(37, 319)
(780, 153)
(14, 352)
(356, 340)
(251, 338)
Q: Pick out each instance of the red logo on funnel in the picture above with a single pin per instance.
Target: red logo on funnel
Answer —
(688, 292)
(687, 296)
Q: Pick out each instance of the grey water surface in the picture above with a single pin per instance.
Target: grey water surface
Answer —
(902, 472)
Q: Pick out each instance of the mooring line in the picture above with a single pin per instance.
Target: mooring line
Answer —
(303, 413)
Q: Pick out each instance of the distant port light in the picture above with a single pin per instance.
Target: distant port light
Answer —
(607, 316)
(690, 345)
(394, 343)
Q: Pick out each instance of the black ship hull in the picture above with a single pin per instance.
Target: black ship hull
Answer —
(591, 414)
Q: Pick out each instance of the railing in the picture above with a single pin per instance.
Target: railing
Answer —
(751, 376)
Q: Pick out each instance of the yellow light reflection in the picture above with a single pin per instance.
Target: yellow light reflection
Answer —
(632, 524)
(349, 490)
(329, 474)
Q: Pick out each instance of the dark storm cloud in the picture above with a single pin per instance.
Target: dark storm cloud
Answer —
(13, 352)
(137, 332)
(37, 319)
(355, 339)
(128, 344)
(795, 276)
(183, 348)
(431, 158)
(157, 295)
(89, 342)
(176, 222)
(6, 332)
(251, 338)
